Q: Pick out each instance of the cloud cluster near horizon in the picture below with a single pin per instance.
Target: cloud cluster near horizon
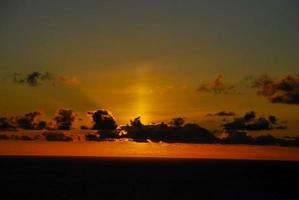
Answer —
(250, 122)
(177, 130)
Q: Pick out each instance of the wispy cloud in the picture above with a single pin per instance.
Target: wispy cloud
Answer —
(217, 86)
(35, 79)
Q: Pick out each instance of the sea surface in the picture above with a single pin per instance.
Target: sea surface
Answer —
(67, 177)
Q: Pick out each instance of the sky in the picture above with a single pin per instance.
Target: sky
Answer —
(149, 58)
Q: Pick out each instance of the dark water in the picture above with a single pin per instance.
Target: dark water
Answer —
(129, 178)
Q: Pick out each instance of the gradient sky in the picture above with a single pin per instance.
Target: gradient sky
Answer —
(147, 57)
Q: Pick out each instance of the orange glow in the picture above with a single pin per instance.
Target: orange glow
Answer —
(133, 149)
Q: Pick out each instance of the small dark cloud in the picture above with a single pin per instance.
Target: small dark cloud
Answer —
(249, 116)
(103, 120)
(277, 90)
(65, 118)
(28, 121)
(177, 122)
(36, 78)
(41, 125)
(217, 86)
(250, 122)
(136, 122)
(32, 79)
(221, 114)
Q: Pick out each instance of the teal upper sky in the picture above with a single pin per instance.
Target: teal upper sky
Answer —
(259, 34)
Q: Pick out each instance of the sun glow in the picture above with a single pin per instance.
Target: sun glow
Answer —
(142, 107)
(143, 93)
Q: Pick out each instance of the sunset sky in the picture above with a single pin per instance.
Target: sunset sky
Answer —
(149, 58)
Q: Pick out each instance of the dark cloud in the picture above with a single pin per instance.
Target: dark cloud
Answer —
(221, 114)
(277, 90)
(217, 86)
(235, 131)
(266, 140)
(32, 79)
(35, 79)
(103, 120)
(28, 121)
(136, 122)
(177, 122)
(252, 123)
(241, 137)
(176, 131)
(65, 118)
(41, 125)
(272, 119)
(56, 136)
(5, 123)
(249, 116)
(235, 137)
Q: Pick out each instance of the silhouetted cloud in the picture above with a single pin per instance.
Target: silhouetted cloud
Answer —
(249, 116)
(56, 136)
(277, 90)
(32, 79)
(103, 119)
(241, 137)
(217, 86)
(175, 132)
(65, 118)
(36, 78)
(252, 123)
(42, 125)
(136, 122)
(177, 122)
(28, 121)
(221, 114)
(231, 136)
(5, 123)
